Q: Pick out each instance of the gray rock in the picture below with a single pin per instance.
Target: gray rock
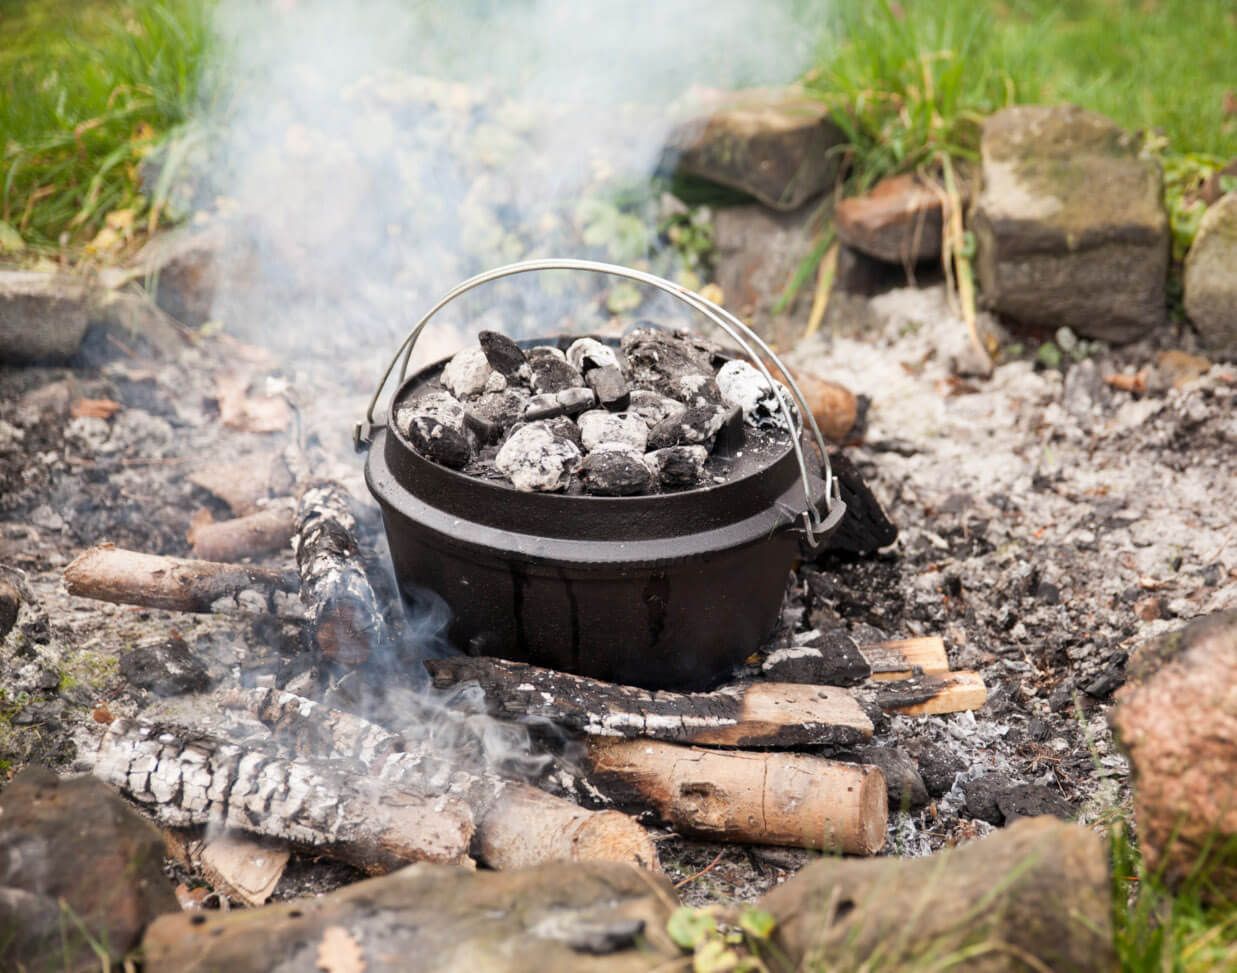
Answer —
(75, 840)
(1070, 224)
(185, 265)
(1211, 278)
(897, 221)
(43, 317)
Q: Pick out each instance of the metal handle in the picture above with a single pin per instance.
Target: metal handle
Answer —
(815, 528)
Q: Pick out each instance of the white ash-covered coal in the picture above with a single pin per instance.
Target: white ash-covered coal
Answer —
(663, 411)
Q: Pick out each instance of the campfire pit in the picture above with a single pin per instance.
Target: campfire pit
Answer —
(663, 591)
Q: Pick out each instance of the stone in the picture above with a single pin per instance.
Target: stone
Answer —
(1033, 896)
(772, 143)
(899, 220)
(756, 252)
(551, 372)
(535, 458)
(678, 467)
(1211, 278)
(185, 267)
(617, 472)
(558, 918)
(43, 317)
(1176, 717)
(1070, 225)
(75, 840)
(503, 354)
(166, 667)
(468, 373)
(625, 428)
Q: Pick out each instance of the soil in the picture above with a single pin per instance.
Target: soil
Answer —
(1049, 523)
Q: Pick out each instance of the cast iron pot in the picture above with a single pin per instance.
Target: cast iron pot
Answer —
(668, 591)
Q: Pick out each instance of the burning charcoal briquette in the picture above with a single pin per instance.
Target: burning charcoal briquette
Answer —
(504, 408)
(656, 357)
(564, 428)
(599, 427)
(678, 467)
(744, 386)
(610, 387)
(437, 405)
(568, 402)
(615, 472)
(503, 354)
(694, 389)
(551, 372)
(439, 442)
(585, 354)
(653, 407)
(731, 437)
(534, 458)
(696, 426)
(468, 373)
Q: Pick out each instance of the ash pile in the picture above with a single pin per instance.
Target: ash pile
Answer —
(663, 411)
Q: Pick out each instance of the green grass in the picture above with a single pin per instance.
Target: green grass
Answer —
(89, 93)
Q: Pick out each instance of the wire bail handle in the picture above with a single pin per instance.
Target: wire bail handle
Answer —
(816, 528)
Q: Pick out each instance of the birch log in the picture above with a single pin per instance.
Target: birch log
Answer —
(517, 825)
(762, 798)
(185, 779)
(344, 614)
(108, 573)
(747, 714)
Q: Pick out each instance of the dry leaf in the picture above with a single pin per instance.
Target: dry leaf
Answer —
(339, 952)
(94, 408)
(251, 413)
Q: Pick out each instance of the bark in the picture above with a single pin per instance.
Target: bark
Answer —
(344, 614)
(762, 798)
(1033, 897)
(108, 573)
(185, 780)
(746, 714)
(241, 867)
(950, 692)
(260, 532)
(517, 825)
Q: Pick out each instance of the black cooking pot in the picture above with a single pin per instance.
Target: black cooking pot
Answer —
(668, 591)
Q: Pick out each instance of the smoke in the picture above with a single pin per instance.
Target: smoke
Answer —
(370, 154)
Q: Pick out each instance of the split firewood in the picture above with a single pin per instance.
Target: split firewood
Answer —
(246, 483)
(108, 573)
(517, 825)
(187, 779)
(344, 614)
(263, 531)
(904, 658)
(747, 714)
(950, 692)
(235, 864)
(762, 798)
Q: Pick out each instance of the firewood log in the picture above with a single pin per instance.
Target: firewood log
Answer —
(108, 573)
(187, 779)
(516, 825)
(949, 692)
(265, 530)
(762, 798)
(742, 715)
(344, 615)
(902, 658)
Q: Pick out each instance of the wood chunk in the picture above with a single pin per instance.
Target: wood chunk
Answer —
(900, 658)
(952, 692)
(108, 573)
(235, 864)
(762, 798)
(819, 658)
(265, 530)
(344, 615)
(750, 715)
(187, 779)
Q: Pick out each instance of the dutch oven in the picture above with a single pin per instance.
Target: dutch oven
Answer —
(665, 591)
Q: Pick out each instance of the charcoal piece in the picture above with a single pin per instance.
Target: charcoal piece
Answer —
(599, 427)
(166, 668)
(820, 659)
(653, 407)
(906, 788)
(503, 408)
(435, 404)
(744, 386)
(679, 467)
(657, 358)
(564, 428)
(468, 373)
(694, 389)
(938, 766)
(696, 426)
(1032, 800)
(864, 527)
(551, 372)
(615, 473)
(503, 354)
(585, 354)
(609, 386)
(483, 429)
(569, 402)
(732, 436)
(534, 458)
(714, 353)
(981, 797)
(439, 443)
